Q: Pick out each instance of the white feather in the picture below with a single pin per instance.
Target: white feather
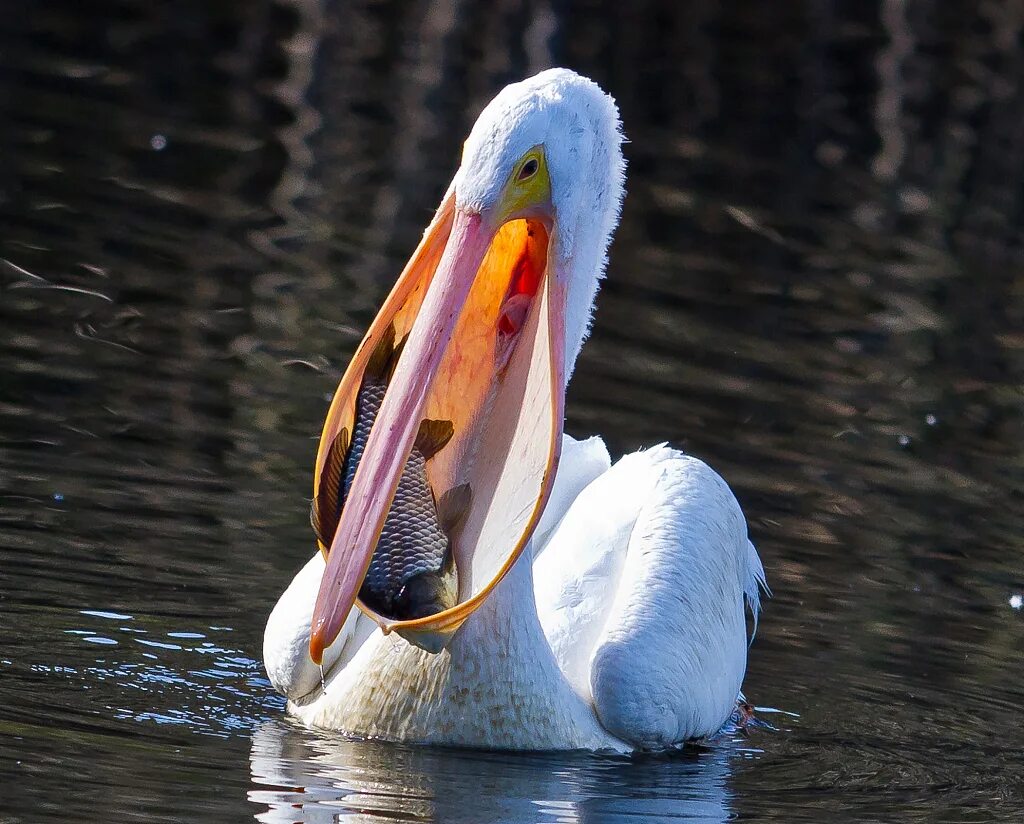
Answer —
(626, 631)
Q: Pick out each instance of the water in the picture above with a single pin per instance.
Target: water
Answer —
(816, 288)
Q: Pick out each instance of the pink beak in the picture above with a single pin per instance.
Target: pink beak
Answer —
(391, 439)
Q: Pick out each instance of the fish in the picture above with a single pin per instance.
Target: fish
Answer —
(412, 573)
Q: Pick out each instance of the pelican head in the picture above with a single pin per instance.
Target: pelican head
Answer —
(490, 312)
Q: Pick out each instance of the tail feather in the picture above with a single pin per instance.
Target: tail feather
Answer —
(754, 584)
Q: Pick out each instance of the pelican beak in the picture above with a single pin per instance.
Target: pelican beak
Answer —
(480, 323)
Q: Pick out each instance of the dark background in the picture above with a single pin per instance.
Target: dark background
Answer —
(816, 288)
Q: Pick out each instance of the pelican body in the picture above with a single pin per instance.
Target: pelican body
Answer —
(597, 606)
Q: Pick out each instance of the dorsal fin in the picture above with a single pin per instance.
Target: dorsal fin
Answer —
(432, 437)
(326, 510)
(382, 362)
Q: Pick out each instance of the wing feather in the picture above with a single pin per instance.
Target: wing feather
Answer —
(641, 593)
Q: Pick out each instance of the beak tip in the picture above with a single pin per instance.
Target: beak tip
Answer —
(316, 652)
(318, 643)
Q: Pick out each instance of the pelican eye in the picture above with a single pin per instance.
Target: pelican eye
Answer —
(529, 169)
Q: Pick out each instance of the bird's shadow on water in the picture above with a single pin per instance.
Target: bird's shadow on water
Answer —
(302, 775)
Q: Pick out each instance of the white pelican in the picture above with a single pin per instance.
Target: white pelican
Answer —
(570, 603)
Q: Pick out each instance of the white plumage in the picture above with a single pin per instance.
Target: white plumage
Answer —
(641, 592)
(624, 625)
(627, 630)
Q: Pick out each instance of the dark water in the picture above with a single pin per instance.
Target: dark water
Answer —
(816, 287)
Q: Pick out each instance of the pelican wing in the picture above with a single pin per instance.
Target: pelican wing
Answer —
(641, 591)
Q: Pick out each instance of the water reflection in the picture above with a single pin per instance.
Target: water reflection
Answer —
(312, 777)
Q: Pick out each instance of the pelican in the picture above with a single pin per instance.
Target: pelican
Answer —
(571, 603)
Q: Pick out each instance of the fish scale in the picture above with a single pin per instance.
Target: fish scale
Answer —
(412, 542)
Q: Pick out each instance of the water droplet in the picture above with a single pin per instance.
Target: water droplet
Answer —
(904, 440)
(158, 142)
(930, 419)
(58, 498)
(1017, 601)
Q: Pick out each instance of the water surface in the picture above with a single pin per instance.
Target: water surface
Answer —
(816, 288)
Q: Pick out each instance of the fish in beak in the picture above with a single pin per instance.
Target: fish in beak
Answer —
(442, 440)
